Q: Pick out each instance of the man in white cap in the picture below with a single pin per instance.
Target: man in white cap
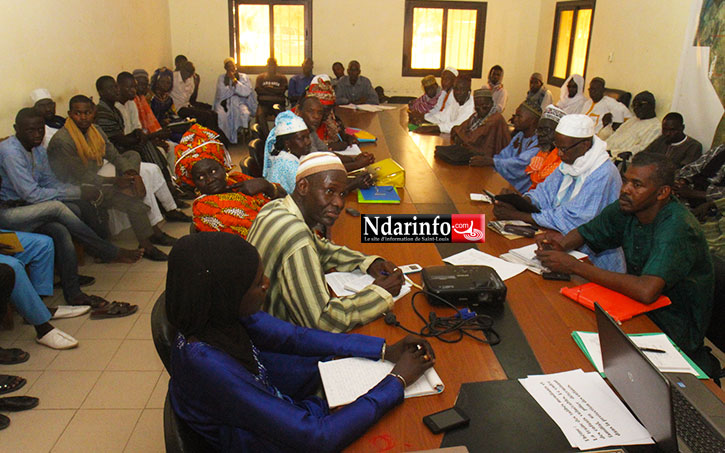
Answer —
(585, 183)
(665, 252)
(296, 259)
(44, 103)
(495, 84)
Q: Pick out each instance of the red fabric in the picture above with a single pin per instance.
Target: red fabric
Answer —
(147, 117)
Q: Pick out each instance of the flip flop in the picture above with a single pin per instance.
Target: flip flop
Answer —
(10, 383)
(18, 403)
(4, 422)
(89, 299)
(114, 310)
(15, 356)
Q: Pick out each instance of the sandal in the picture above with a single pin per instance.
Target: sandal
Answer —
(88, 299)
(10, 383)
(4, 422)
(18, 403)
(114, 310)
(13, 356)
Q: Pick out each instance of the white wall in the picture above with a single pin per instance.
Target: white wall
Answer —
(644, 38)
(370, 32)
(66, 45)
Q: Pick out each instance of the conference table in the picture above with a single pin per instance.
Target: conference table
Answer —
(536, 323)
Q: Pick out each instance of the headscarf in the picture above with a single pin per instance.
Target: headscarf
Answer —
(285, 123)
(572, 104)
(196, 144)
(91, 149)
(162, 71)
(209, 274)
(321, 88)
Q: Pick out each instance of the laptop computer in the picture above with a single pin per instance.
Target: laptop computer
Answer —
(680, 413)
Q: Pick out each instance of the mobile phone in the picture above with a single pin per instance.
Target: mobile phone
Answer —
(410, 268)
(446, 420)
(527, 232)
(556, 276)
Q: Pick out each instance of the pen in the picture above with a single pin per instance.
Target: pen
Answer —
(658, 351)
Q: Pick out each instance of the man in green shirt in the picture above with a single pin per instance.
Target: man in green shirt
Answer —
(665, 251)
(296, 259)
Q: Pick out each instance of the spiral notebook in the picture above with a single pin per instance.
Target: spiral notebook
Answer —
(345, 380)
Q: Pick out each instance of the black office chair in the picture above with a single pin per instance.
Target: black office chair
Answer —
(256, 151)
(716, 332)
(178, 436)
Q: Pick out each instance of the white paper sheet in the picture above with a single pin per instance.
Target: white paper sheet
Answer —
(588, 412)
(669, 361)
(527, 255)
(475, 257)
(352, 151)
(345, 380)
(348, 283)
(481, 197)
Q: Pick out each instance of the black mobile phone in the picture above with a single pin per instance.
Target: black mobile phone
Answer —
(446, 420)
(556, 276)
(527, 232)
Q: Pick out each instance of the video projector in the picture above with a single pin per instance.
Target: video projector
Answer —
(472, 286)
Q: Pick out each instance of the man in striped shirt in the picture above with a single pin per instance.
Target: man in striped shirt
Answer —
(296, 259)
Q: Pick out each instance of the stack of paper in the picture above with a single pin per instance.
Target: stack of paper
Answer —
(527, 256)
(345, 380)
(481, 197)
(669, 360)
(474, 257)
(588, 412)
(349, 283)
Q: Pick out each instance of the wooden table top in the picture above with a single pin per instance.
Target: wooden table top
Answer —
(546, 317)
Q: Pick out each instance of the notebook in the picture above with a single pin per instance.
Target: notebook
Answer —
(619, 306)
(361, 135)
(345, 380)
(10, 239)
(378, 194)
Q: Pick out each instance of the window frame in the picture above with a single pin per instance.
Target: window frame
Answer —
(480, 7)
(234, 32)
(569, 6)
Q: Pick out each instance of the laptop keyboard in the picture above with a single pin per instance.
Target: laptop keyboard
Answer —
(693, 429)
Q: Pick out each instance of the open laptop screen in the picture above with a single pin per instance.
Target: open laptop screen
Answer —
(640, 384)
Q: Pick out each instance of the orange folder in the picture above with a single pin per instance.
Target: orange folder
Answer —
(616, 304)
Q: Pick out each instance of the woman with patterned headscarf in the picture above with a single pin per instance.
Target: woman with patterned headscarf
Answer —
(331, 130)
(287, 142)
(228, 201)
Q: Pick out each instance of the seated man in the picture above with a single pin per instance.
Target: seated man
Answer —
(636, 133)
(270, 88)
(600, 108)
(234, 101)
(571, 99)
(429, 99)
(331, 129)
(296, 259)
(338, 70)
(484, 133)
(702, 180)
(77, 153)
(457, 111)
(512, 161)
(585, 183)
(547, 160)
(45, 104)
(33, 268)
(298, 83)
(183, 92)
(538, 94)
(673, 143)
(495, 84)
(354, 88)
(448, 78)
(665, 252)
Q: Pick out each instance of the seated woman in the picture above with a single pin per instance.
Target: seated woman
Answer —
(234, 101)
(286, 143)
(229, 202)
(246, 380)
(331, 130)
(161, 103)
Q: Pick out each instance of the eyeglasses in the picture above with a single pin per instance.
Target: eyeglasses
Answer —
(564, 149)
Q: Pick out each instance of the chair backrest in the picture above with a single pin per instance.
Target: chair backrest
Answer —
(625, 97)
(178, 436)
(256, 151)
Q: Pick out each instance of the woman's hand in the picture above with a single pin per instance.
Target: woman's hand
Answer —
(413, 362)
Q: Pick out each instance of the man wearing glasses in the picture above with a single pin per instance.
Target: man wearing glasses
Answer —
(584, 184)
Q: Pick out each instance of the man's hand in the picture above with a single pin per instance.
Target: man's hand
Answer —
(253, 187)
(557, 261)
(387, 276)
(551, 240)
(364, 159)
(480, 160)
(505, 211)
(606, 119)
(89, 192)
(415, 117)
(411, 342)
(701, 212)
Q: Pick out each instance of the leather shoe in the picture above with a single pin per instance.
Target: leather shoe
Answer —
(57, 339)
(162, 239)
(18, 403)
(177, 216)
(155, 254)
(70, 311)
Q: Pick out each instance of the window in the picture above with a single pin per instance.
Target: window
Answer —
(262, 29)
(438, 34)
(570, 44)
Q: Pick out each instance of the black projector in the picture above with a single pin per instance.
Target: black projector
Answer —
(472, 286)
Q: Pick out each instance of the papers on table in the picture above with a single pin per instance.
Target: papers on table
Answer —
(352, 151)
(586, 410)
(671, 360)
(345, 380)
(349, 283)
(527, 256)
(475, 257)
(368, 107)
(481, 197)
